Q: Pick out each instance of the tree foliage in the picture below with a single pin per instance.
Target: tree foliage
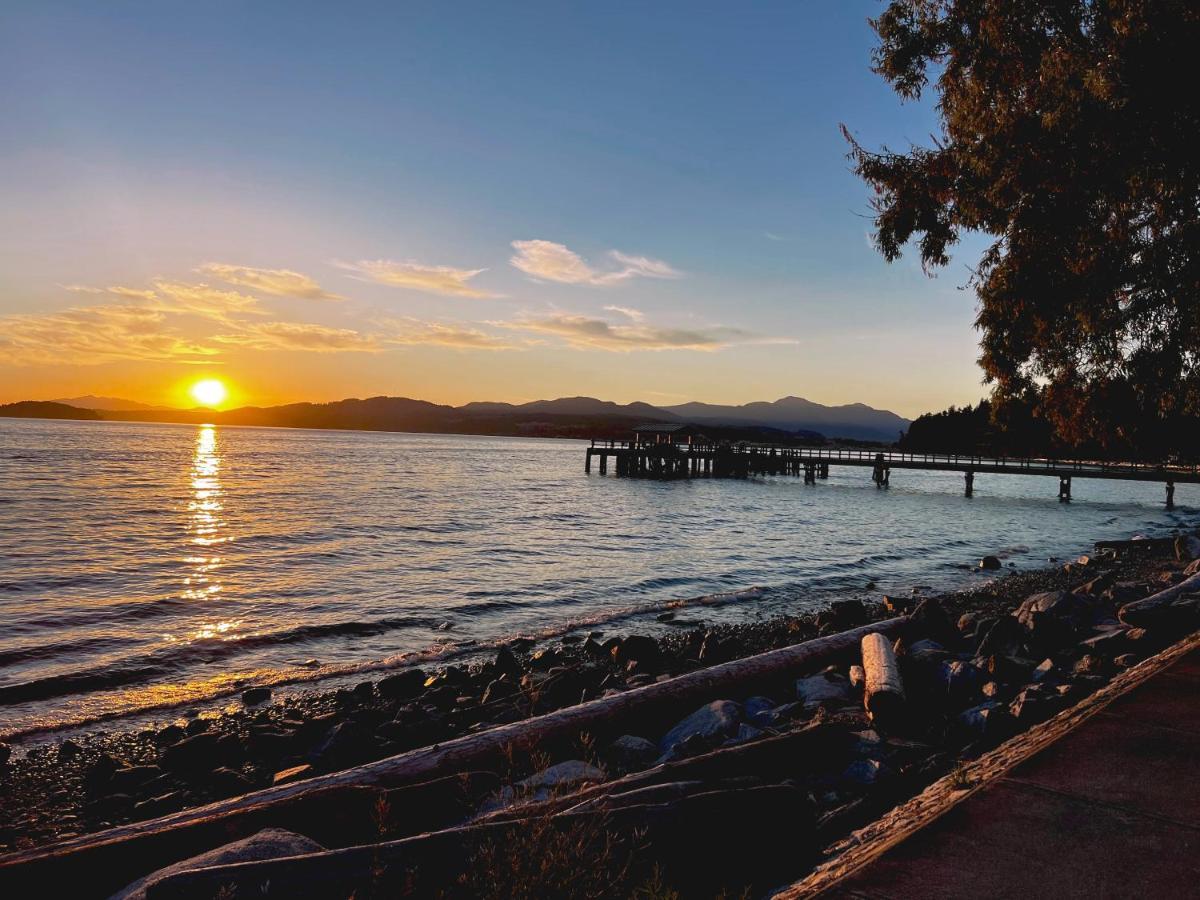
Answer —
(1070, 134)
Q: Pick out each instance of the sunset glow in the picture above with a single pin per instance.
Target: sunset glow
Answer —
(209, 392)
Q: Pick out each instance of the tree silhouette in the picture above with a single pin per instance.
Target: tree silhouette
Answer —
(1070, 133)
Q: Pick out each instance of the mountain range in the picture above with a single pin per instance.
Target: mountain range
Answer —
(789, 417)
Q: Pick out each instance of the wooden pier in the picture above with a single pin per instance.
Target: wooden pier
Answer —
(668, 459)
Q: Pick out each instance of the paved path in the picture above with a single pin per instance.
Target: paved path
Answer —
(1110, 809)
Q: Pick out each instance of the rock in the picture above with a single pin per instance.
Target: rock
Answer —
(170, 735)
(271, 843)
(5, 754)
(295, 773)
(744, 734)
(1126, 660)
(1193, 568)
(500, 689)
(1052, 618)
(230, 782)
(1009, 669)
(193, 753)
(630, 753)
(1097, 586)
(1187, 547)
(196, 726)
(130, 778)
(160, 805)
(858, 677)
(364, 691)
(967, 622)
(990, 563)
(255, 695)
(712, 722)
(957, 678)
(402, 686)
(637, 648)
(898, 606)
(929, 620)
(558, 779)
(546, 658)
(843, 615)
(1123, 592)
(1107, 640)
(68, 750)
(755, 706)
(506, 663)
(714, 650)
(1032, 705)
(984, 720)
(100, 772)
(1180, 614)
(1089, 664)
(825, 689)
(865, 772)
(592, 648)
(1005, 638)
(347, 744)
(779, 715)
(1044, 671)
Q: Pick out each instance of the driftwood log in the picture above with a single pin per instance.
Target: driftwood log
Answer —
(883, 688)
(109, 859)
(1158, 608)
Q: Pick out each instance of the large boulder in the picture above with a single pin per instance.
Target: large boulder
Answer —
(711, 723)
(630, 753)
(402, 686)
(825, 689)
(1052, 618)
(270, 843)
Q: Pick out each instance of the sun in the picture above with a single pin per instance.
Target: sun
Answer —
(209, 392)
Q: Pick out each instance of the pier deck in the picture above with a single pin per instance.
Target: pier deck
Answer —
(649, 459)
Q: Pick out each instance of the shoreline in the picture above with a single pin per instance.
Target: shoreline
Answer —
(102, 778)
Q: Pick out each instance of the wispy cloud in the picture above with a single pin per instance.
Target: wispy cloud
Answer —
(280, 282)
(418, 332)
(549, 261)
(182, 298)
(90, 335)
(416, 276)
(628, 312)
(299, 336)
(590, 333)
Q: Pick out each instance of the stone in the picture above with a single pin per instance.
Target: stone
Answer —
(744, 734)
(755, 706)
(1089, 664)
(825, 689)
(253, 696)
(1006, 637)
(68, 750)
(713, 722)
(1009, 669)
(990, 563)
(967, 622)
(160, 806)
(898, 606)
(500, 689)
(957, 678)
(130, 778)
(559, 778)
(546, 658)
(1045, 670)
(1107, 640)
(294, 773)
(1052, 618)
(858, 677)
(630, 753)
(1097, 586)
(778, 715)
(1032, 705)
(984, 720)
(929, 620)
(714, 650)
(1187, 547)
(1192, 568)
(271, 843)
(865, 772)
(230, 782)
(402, 685)
(5, 754)
(347, 744)
(170, 735)
(637, 647)
(1126, 660)
(843, 615)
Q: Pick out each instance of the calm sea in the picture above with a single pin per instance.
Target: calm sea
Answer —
(148, 566)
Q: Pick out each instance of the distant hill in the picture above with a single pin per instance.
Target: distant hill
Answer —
(855, 420)
(791, 418)
(46, 409)
(90, 401)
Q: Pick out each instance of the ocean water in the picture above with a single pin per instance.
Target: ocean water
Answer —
(158, 567)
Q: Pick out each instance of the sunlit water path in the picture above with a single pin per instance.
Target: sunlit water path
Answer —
(147, 565)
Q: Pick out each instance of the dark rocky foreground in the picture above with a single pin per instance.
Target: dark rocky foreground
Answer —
(743, 792)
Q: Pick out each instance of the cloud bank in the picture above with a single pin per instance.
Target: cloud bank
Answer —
(445, 280)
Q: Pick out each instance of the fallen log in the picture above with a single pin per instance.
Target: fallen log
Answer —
(883, 688)
(109, 859)
(1158, 609)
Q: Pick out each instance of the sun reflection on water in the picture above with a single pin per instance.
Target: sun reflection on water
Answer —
(205, 522)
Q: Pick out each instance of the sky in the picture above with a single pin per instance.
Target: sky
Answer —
(460, 201)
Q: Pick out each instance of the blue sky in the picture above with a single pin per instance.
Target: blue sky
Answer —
(393, 153)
